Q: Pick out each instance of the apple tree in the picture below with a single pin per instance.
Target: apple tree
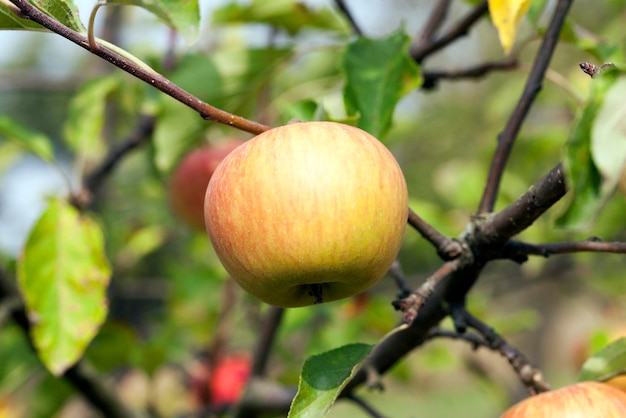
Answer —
(506, 118)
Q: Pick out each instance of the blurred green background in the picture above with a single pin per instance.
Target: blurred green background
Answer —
(168, 287)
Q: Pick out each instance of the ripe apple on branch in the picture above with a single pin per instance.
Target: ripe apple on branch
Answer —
(307, 213)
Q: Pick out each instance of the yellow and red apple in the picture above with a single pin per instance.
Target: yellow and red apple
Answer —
(580, 400)
(308, 212)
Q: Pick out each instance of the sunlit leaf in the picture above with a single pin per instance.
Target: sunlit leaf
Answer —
(588, 191)
(10, 20)
(289, 15)
(378, 73)
(608, 135)
(64, 11)
(304, 110)
(63, 274)
(506, 16)
(323, 377)
(606, 363)
(182, 15)
(86, 115)
(35, 142)
(141, 243)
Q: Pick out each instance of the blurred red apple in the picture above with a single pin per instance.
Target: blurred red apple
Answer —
(581, 400)
(307, 213)
(189, 181)
(229, 378)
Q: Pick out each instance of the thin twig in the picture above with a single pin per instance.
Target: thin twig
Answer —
(266, 340)
(343, 7)
(533, 85)
(530, 376)
(365, 406)
(396, 272)
(151, 77)
(436, 18)
(516, 249)
(140, 134)
(447, 248)
(432, 78)
(474, 340)
(461, 28)
(411, 304)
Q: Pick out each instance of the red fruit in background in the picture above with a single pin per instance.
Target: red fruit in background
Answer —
(581, 400)
(189, 181)
(229, 379)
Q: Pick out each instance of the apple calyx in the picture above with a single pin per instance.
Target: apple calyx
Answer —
(316, 292)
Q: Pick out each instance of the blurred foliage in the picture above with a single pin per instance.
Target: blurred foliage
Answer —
(274, 61)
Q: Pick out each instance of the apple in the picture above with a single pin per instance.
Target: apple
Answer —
(229, 378)
(189, 181)
(306, 213)
(580, 400)
(618, 381)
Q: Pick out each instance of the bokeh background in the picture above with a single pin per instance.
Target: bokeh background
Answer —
(168, 288)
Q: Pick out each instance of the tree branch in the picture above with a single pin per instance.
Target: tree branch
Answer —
(151, 77)
(432, 78)
(343, 7)
(437, 16)
(528, 374)
(449, 285)
(141, 133)
(447, 248)
(516, 250)
(533, 85)
(518, 216)
(395, 271)
(419, 52)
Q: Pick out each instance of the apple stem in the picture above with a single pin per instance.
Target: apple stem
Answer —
(316, 292)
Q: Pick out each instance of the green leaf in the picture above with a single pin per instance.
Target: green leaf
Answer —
(86, 114)
(608, 136)
(11, 21)
(303, 110)
(323, 377)
(588, 192)
(378, 73)
(289, 15)
(35, 142)
(64, 11)
(182, 15)
(63, 274)
(606, 363)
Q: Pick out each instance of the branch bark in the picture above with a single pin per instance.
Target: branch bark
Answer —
(533, 85)
(151, 77)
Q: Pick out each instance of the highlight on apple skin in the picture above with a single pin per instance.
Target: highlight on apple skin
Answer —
(189, 181)
(580, 400)
(307, 213)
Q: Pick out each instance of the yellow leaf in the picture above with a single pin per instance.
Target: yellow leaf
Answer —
(506, 16)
